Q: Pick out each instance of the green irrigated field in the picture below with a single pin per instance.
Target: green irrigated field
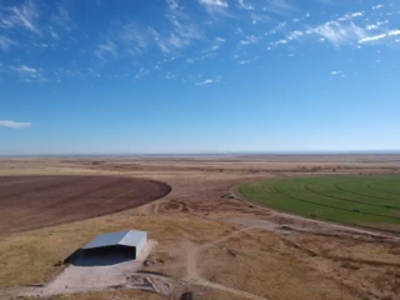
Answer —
(369, 201)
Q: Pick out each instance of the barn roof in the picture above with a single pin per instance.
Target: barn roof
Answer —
(129, 238)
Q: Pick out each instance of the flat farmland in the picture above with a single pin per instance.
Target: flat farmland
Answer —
(209, 242)
(368, 201)
(29, 202)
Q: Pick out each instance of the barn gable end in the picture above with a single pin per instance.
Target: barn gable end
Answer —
(131, 238)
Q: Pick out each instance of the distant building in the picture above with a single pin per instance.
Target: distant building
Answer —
(132, 241)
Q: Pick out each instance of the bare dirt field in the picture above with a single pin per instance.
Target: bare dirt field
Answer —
(211, 244)
(29, 202)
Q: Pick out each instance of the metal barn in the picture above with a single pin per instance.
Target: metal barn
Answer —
(132, 241)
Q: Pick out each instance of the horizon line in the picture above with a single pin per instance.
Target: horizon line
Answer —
(227, 153)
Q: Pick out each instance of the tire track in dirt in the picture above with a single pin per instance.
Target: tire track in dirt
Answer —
(331, 206)
(338, 186)
(193, 274)
(307, 188)
(369, 186)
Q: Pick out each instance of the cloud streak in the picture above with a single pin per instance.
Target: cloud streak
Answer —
(215, 7)
(280, 7)
(106, 50)
(23, 16)
(391, 33)
(62, 19)
(218, 3)
(6, 43)
(244, 5)
(28, 74)
(14, 125)
(207, 81)
(339, 33)
(134, 38)
(201, 31)
(344, 30)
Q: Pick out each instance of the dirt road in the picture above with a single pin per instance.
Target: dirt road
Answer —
(194, 276)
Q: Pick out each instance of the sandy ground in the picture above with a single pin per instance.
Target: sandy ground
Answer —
(212, 244)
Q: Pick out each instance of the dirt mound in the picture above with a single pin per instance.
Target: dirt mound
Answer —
(174, 206)
(29, 202)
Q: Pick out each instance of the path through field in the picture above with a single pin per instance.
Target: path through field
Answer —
(194, 277)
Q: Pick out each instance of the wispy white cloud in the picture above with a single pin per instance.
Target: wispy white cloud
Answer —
(279, 42)
(378, 37)
(336, 72)
(376, 25)
(373, 38)
(250, 39)
(295, 34)
(62, 19)
(339, 33)
(53, 34)
(182, 26)
(170, 76)
(181, 31)
(215, 47)
(14, 124)
(379, 6)
(24, 69)
(351, 16)
(107, 49)
(23, 16)
(6, 43)
(239, 31)
(208, 54)
(281, 7)
(278, 28)
(349, 29)
(244, 5)
(28, 74)
(256, 17)
(173, 4)
(247, 61)
(207, 81)
(220, 3)
(134, 38)
(215, 7)
(142, 72)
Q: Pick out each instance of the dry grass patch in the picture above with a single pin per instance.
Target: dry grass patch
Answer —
(217, 295)
(365, 268)
(349, 249)
(28, 258)
(260, 263)
(106, 295)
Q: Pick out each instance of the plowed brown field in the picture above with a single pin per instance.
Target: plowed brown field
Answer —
(29, 202)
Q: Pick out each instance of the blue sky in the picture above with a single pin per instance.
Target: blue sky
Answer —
(191, 76)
